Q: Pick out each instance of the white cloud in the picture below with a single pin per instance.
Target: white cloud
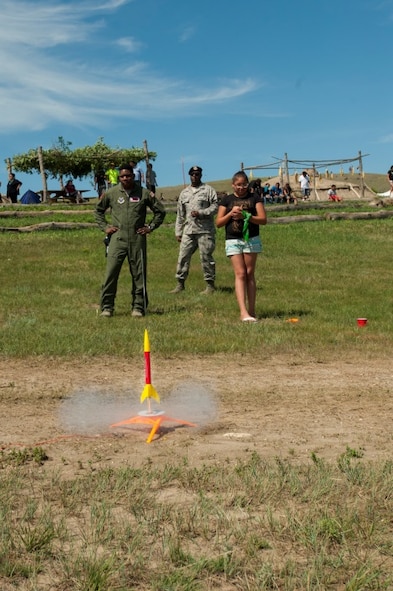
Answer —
(386, 139)
(37, 24)
(39, 87)
(112, 4)
(129, 44)
(187, 33)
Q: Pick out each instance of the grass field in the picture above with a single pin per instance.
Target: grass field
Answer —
(171, 522)
(326, 274)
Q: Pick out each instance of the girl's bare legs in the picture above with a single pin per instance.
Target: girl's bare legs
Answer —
(250, 262)
(245, 287)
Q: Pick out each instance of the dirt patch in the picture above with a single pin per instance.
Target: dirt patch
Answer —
(283, 407)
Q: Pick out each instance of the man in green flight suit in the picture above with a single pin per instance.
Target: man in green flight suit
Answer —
(128, 203)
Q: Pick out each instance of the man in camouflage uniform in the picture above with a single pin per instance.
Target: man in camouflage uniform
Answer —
(128, 203)
(195, 228)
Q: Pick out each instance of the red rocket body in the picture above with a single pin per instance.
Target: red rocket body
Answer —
(148, 391)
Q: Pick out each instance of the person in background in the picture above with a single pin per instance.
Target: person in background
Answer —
(126, 232)
(100, 182)
(255, 186)
(276, 193)
(112, 175)
(71, 192)
(288, 194)
(266, 193)
(138, 173)
(151, 178)
(305, 185)
(332, 194)
(242, 213)
(194, 228)
(13, 187)
(390, 178)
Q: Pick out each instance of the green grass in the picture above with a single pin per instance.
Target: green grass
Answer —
(250, 524)
(324, 273)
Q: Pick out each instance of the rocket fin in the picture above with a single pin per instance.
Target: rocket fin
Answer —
(149, 392)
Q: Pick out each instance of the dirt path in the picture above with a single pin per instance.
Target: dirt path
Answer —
(285, 407)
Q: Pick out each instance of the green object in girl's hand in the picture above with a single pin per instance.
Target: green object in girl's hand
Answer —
(246, 218)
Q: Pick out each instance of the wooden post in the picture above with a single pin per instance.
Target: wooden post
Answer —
(314, 171)
(146, 159)
(361, 175)
(182, 171)
(286, 167)
(43, 175)
(146, 152)
(9, 169)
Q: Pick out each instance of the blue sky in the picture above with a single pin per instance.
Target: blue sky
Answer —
(213, 83)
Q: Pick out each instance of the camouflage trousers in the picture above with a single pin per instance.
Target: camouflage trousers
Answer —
(188, 245)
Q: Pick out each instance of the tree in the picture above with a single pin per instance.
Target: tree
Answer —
(60, 160)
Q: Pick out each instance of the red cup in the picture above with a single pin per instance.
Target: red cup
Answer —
(362, 321)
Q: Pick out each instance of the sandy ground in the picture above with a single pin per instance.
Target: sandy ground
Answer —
(285, 407)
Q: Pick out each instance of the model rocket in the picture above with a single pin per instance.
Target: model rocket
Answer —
(148, 391)
(154, 418)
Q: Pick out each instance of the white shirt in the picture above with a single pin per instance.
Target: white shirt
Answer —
(304, 181)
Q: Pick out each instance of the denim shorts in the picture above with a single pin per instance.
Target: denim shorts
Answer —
(240, 246)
